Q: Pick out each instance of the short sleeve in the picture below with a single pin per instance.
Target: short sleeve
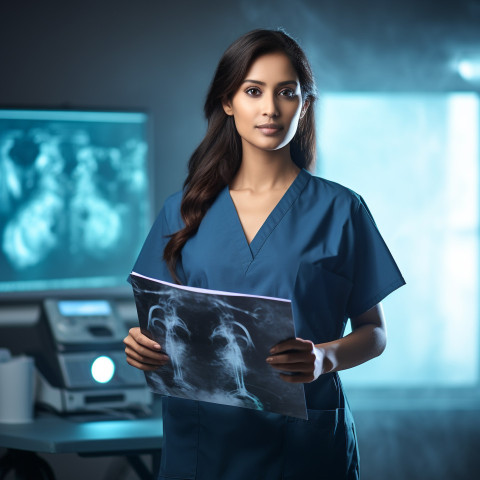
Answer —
(150, 262)
(375, 273)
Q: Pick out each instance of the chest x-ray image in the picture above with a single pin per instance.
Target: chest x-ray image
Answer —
(217, 344)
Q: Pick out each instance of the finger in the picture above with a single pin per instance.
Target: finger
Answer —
(140, 349)
(292, 357)
(143, 351)
(142, 339)
(159, 362)
(292, 344)
(142, 366)
(294, 367)
(160, 359)
(139, 337)
(300, 378)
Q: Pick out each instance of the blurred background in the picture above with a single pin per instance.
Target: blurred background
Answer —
(398, 121)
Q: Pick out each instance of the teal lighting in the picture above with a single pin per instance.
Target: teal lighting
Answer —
(103, 369)
(469, 69)
(414, 158)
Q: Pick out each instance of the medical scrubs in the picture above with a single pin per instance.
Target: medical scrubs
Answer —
(319, 248)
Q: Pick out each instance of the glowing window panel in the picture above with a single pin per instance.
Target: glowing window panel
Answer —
(414, 159)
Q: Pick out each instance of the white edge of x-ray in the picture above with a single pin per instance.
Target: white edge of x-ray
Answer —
(211, 292)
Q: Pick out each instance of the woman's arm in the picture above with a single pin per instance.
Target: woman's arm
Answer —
(308, 361)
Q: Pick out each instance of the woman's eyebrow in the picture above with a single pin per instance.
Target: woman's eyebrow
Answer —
(287, 82)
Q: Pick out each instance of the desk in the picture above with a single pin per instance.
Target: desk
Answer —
(49, 433)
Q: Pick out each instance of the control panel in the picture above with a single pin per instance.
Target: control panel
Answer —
(85, 322)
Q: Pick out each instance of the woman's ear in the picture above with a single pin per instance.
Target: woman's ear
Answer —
(305, 106)
(227, 107)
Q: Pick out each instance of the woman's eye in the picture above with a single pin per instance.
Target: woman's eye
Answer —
(253, 91)
(287, 93)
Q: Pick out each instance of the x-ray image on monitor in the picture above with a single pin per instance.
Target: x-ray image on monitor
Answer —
(74, 198)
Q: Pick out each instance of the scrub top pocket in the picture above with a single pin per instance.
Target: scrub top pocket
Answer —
(321, 298)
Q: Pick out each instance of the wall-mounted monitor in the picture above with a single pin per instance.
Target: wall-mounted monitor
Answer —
(75, 200)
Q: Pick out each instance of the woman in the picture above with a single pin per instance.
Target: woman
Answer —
(252, 219)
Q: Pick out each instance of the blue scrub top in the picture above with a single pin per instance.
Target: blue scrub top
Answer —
(321, 249)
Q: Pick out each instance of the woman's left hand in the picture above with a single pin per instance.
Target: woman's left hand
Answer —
(301, 358)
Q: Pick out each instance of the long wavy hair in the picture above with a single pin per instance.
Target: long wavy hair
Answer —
(217, 159)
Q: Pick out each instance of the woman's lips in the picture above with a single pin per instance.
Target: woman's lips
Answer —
(269, 128)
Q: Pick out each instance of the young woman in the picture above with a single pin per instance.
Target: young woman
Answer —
(252, 219)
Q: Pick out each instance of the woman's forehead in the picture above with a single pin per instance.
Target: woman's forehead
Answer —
(272, 67)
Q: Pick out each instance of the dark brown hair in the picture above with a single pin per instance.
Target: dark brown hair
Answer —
(217, 159)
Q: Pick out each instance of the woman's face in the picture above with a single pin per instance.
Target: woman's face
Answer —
(268, 104)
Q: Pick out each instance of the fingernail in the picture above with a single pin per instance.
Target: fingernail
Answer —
(269, 359)
(157, 346)
(273, 350)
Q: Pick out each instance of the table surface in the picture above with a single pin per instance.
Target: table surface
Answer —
(50, 433)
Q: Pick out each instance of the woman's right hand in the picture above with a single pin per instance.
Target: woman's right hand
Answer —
(142, 352)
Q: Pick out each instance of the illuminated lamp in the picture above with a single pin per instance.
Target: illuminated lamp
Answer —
(468, 67)
(103, 369)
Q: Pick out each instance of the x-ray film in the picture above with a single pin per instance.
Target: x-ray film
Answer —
(218, 343)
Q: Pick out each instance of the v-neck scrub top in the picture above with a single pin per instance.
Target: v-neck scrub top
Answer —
(321, 249)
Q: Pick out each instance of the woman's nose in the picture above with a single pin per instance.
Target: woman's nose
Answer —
(270, 107)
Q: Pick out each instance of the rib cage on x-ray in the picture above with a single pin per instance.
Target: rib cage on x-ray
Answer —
(217, 345)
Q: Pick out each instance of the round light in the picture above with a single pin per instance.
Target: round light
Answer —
(469, 69)
(466, 69)
(103, 369)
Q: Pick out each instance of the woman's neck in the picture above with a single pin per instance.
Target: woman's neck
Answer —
(265, 170)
